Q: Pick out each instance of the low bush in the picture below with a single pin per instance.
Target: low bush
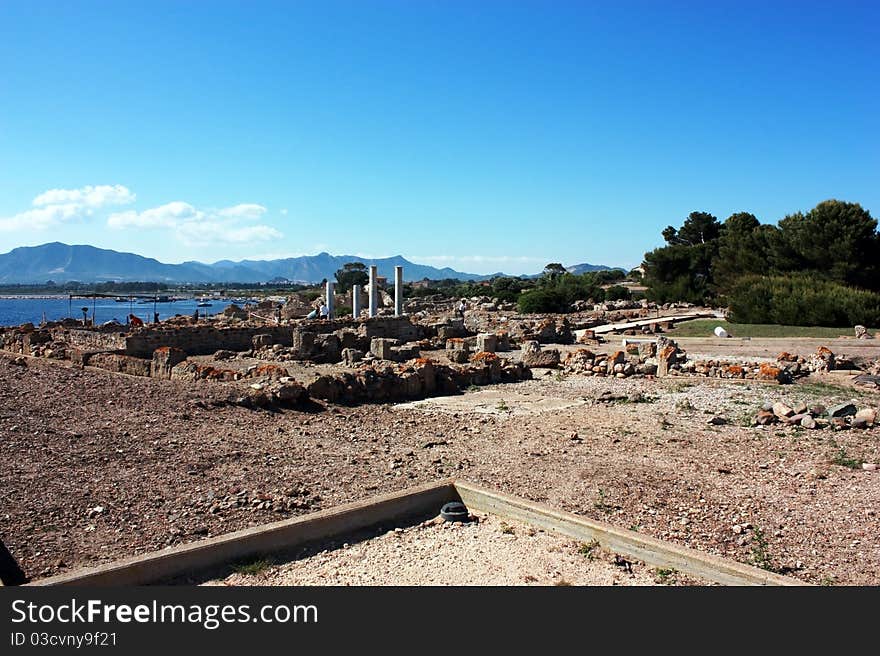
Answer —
(802, 300)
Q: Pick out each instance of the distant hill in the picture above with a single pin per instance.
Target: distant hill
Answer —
(586, 268)
(62, 262)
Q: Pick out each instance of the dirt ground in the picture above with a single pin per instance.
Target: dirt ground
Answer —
(99, 466)
(485, 551)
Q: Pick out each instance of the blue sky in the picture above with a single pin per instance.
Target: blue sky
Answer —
(484, 136)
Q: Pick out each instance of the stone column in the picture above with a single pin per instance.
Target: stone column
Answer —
(398, 291)
(355, 301)
(374, 291)
(330, 286)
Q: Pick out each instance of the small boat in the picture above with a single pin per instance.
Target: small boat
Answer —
(204, 304)
(121, 299)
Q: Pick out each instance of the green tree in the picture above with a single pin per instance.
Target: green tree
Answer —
(553, 272)
(352, 273)
(836, 240)
(743, 248)
(682, 270)
(698, 228)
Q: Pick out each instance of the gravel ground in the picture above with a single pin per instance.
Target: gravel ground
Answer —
(102, 466)
(488, 551)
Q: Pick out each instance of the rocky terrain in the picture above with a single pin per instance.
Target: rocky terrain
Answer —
(103, 465)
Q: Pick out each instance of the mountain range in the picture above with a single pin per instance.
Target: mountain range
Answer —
(61, 263)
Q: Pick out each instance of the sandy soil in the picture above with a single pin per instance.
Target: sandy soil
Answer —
(487, 551)
(101, 466)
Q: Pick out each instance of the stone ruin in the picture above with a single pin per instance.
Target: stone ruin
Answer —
(383, 352)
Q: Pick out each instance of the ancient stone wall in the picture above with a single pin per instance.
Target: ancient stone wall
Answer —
(93, 340)
(206, 339)
(202, 340)
(120, 363)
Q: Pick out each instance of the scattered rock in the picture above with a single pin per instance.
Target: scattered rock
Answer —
(765, 418)
(781, 410)
(868, 415)
(842, 410)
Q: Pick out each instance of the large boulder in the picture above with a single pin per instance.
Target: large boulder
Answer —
(534, 356)
(381, 347)
(289, 392)
(457, 350)
(487, 343)
(822, 359)
(165, 358)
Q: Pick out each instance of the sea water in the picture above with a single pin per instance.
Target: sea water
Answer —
(15, 310)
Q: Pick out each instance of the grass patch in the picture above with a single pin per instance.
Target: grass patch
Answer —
(588, 549)
(252, 568)
(507, 529)
(760, 554)
(601, 502)
(502, 406)
(842, 459)
(684, 405)
(824, 390)
(706, 328)
(638, 397)
(665, 576)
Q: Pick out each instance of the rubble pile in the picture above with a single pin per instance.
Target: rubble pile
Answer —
(839, 417)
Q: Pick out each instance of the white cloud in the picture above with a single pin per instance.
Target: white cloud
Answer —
(57, 206)
(193, 226)
(243, 211)
(88, 196)
(169, 215)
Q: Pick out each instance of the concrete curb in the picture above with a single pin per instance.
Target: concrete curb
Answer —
(414, 503)
(422, 502)
(628, 543)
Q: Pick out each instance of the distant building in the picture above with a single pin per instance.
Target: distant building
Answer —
(424, 283)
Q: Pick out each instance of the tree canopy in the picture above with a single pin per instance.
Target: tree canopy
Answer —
(352, 273)
(706, 261)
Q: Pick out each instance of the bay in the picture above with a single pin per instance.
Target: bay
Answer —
(15, 310)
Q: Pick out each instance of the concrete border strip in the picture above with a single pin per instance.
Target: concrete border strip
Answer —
(422, 501)
(628, 543)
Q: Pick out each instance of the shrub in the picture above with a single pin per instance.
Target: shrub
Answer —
(542, 300)
(617, 293)
(803, 300)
